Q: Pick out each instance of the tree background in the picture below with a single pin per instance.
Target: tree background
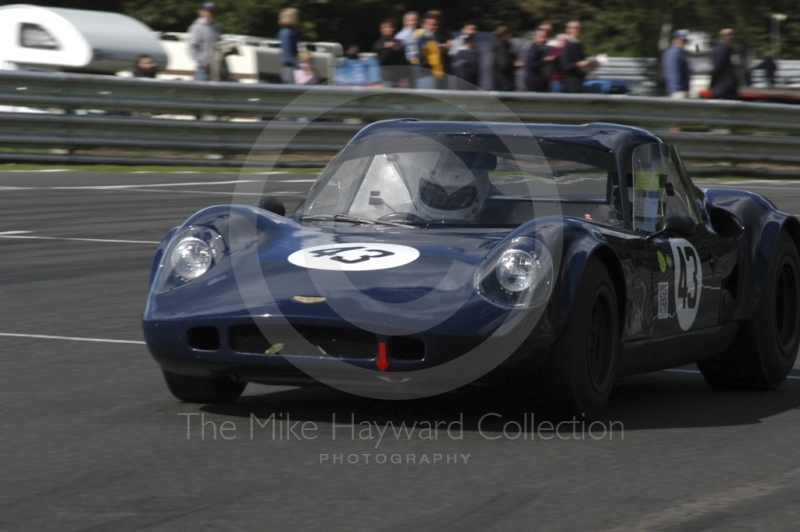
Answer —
(616, 27)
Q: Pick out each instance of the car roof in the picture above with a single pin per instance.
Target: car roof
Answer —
(614, 137)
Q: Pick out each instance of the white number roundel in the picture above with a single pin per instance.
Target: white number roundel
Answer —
(688, 281)
(354, 257)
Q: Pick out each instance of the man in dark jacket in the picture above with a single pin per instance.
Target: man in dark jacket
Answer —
(465, 64)
(145, 67)
(770, 68)
(538, 63)
(724, 80)
(391, 55)
(574, 62)
(503, 60)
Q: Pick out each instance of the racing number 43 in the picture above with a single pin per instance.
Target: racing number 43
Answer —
(688, 281)
(335, 254)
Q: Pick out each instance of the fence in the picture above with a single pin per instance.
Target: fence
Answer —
(80, 113)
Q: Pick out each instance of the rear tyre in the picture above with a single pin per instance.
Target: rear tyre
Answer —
(584, 361)
(765, 348)
(203, 389)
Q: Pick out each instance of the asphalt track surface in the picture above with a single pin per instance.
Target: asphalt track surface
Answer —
(92, 440)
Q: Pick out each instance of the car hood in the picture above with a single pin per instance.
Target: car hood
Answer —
(262, 276)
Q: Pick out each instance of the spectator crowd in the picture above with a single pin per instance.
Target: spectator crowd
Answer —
(471, 59)
(420, 53)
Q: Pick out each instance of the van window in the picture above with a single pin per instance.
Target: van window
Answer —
(35, 36)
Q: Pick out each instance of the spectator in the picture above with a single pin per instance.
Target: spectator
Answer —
(445, 42)
(770, 68)
(503, 60)
(724, 81)
(556, 76)
(430, 54)
(305, 74)
(351, 51)
(537, 63)
(574, 62)
(145, 67)
(547, 27)
(468, 31)
(204, 34)
(675, 64)
(465, 65)
(391, 55)
(408, 36)
(288, 37)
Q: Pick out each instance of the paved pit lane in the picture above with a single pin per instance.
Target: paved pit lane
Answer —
(92, 440)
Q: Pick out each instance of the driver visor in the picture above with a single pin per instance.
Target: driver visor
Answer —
(437, 197)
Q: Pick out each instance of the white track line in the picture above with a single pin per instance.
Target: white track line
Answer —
(138, 185)
(228, 194)
(151, 185)
(73, 338)
(25, 236)
(698, 373)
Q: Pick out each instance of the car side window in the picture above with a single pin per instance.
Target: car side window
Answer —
(657, 188)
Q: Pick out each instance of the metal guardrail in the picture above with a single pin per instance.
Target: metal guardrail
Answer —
(94, 112)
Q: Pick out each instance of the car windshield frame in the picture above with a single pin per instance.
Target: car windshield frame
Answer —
(598, 157)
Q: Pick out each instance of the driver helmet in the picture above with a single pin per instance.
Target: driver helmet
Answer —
(456, 188)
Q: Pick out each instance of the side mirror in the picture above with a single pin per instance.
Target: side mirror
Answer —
(677, 222)
(272, 204)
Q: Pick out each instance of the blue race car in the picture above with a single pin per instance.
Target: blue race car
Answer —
(431, 255)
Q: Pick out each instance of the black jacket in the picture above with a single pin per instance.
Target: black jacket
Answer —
(537, 68)
(395, 56)
(503, 65)
(769, 66)
(724, 81)
(392, 60)
(465, 67)
(138, 72)
(571, 55)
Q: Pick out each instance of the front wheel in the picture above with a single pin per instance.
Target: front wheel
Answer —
(203, 389)
(584, 362)
(766, 347)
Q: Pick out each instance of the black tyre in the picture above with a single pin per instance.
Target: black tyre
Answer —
(765, 348)
(584, 361)
(203, 389)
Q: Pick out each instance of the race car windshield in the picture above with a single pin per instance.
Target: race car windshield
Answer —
(459, 180)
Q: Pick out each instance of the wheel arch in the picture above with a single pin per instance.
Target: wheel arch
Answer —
(576, 258)
(763, 223)
(614, 267)
(792, 227)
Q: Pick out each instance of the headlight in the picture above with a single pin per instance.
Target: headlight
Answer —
(520, 276)
(515, 270)
(192, 253)
(191, 258)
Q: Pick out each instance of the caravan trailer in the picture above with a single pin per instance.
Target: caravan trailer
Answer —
(73, 40)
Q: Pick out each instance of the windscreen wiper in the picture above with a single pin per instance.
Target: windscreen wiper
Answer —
(348, 218)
